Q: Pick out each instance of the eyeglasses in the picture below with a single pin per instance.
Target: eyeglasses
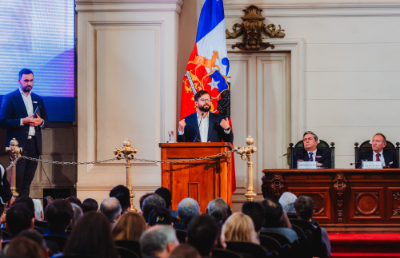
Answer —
(206, 100)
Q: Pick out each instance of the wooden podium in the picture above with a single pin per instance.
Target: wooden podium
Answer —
(202, 180)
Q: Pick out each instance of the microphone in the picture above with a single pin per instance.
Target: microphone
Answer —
(197, 139)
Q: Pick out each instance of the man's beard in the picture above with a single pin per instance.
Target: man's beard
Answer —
(204, 109)
(27, 89)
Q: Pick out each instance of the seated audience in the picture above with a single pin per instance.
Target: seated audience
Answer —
(36, 237)
(77, 214)
(111, 208)
(28, 202)
(305, 206)
(151, 202)
(185, 251)
(73, 199)
(89, 204)
(129, 227)
(158, 241)
(59, 215)
(122, 194)
(379, 153)
(160, 216)
(23, 247)
(274, 216)
(203, 234)
(91, 236)
(218, 209)
(239, 227)
(166, 195)
(18, 218)
(311, 153)
(39, 214)
(287, 202)
(141, 200)
(256, 212)
(187, 209)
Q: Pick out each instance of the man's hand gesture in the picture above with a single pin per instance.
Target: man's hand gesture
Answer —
(225, 124)
(36, 121)
(181, 125)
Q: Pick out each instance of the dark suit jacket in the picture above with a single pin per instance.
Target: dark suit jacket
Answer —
(322, 156)
(12, 110)
(389, 156)
(5, 190)
(215, 131)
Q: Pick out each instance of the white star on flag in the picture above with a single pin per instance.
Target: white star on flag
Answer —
(213, 84)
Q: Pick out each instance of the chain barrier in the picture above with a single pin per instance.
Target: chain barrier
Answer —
(112, 159)
(12, 164)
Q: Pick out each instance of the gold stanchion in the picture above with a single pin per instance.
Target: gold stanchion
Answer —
(247, 153)
(15, 153)
(127, 154)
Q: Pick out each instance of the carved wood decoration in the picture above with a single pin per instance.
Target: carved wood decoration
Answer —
(367, 203)
(277, 185)
(252, 28)
(340, 186)
(396, 196)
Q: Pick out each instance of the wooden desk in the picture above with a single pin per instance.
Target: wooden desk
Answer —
(347, 200)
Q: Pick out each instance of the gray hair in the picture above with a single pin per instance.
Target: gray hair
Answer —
(218, 209)
(187, 209)
(287, 201)
(111, 208)
(313, 134)
(155, 240)
(77, 213)
(150, 203)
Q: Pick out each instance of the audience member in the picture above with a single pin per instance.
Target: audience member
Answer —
(218, 209)
(89, 204)
(59, 215)
(91, 236)
(187, 209)
(185, 251)
(151, 202)
(256, 212)
(73, 199)
(273, 220)
(111, 208)
(141, 200)
(28, 202)
(123, 195)
(19, 218)
(203, 234)
(77, 214)
(166, 195)
(160, 216)
(130, 227)
(287, 202)
(158, 241)
(24, 247)
(36, 237)
(239, 227)
(304, 206)
(39, 214)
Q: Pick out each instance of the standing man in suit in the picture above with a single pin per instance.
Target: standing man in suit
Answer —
(378, 153)
(17, 115)
(204, 126)
(311, 153)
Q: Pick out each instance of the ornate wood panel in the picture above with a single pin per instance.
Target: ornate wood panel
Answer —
(366, 203)
(393, 198)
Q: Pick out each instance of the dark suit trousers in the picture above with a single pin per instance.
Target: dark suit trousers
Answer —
(26, 168)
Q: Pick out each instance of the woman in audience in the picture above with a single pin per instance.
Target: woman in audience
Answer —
(160, 216)
(22, 246)
(239, 227)
(130, 226)
(91, 236)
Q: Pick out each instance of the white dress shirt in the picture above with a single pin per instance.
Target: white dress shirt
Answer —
(29, 109)
(380, 157)
(314, 153)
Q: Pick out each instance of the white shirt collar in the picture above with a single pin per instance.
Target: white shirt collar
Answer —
(23, 93)
(379, 153)
(199, 116)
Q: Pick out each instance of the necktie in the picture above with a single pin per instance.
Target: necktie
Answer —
(311, 156)
(377, 157)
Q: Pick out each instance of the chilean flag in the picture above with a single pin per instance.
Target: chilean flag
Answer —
(208, 66)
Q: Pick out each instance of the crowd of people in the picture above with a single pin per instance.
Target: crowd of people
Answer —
(72, 228)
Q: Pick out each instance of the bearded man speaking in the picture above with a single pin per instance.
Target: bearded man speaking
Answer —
(204, 126)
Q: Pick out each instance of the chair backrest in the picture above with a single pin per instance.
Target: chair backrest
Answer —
(283, 240)
(126, 253)
(315, 236)
(181, 235)
(223, 253)
(134, 246)
(39, 230)
(73, 256)
(366, 146)
(59, 240)
(272, 245)
(6, 235)
(42, 224)
(321, 145)
(247, 250)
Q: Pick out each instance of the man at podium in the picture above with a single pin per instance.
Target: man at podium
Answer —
(204, 126)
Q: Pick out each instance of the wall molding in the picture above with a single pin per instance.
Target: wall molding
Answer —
(86, 187)
(155, 6)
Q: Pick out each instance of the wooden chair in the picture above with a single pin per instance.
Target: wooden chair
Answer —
(366, 146)
(134, 246)
(305, 242)
(283, 241)
(321, 145)
(126, 253)
(222, 253)
(315, 236)
(181, 235)
(248, 250)
(273, 245)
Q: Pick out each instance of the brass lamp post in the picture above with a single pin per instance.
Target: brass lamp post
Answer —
(15, 153)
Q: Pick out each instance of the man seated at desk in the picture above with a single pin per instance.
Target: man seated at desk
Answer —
(311, 153)
(378, 153)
